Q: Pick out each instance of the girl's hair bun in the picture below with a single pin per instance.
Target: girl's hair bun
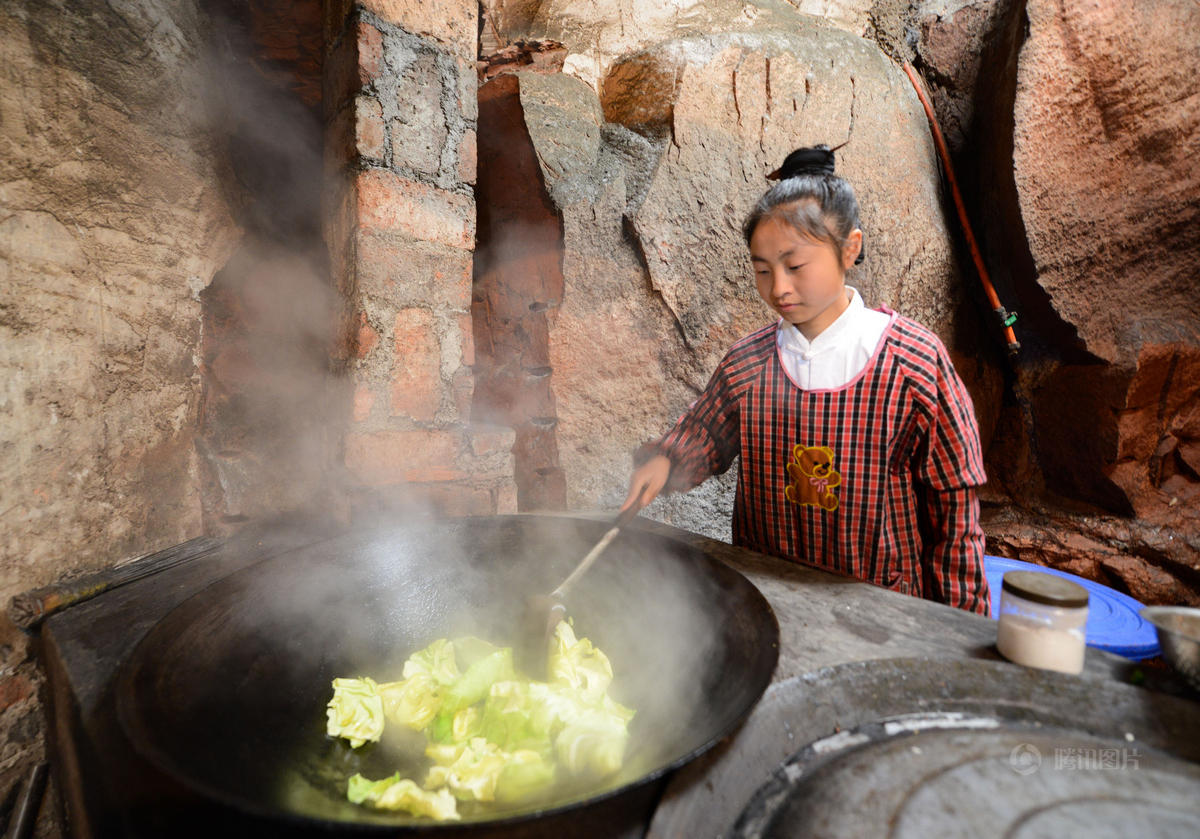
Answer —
(810, 197)
(817, 160)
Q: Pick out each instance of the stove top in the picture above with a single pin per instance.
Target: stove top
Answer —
(909, 657)
(916, 747)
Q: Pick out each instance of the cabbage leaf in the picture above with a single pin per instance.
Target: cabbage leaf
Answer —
(482, 771)
(592, 743)
(436, 661)
(474, 684)
(578, 664)
(413, 702)
(355, 711)
(395, 793)
(492, 736)
(469, 770)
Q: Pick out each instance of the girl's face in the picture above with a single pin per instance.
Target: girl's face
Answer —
(801, 278)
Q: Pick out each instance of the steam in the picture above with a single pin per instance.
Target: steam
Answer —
(270, 421)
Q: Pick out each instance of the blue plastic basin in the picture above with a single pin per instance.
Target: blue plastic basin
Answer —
(1114, 623)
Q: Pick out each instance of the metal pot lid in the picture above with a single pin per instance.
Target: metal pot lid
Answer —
(951, 774)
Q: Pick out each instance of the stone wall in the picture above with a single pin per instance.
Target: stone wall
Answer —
(112, 221)
(518, 287)
(271, 398)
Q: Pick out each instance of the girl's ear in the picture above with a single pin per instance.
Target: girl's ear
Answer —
(851, 248)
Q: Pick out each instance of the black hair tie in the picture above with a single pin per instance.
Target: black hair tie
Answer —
(817, 160)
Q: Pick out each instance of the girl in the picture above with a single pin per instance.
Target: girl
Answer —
(858, 443)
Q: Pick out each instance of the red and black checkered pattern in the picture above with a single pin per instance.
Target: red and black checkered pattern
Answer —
(905, 444)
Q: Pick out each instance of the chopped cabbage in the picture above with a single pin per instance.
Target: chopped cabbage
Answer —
(474, 684)
(441, 730)
(482, 771)
(492, 736)
(589, 737)
(464, 724)
(395, 793)
(519, 715)
(592, 743)
(355, 712)
(469, 770)
(413, 702)
(436, 661)
(530, 714)
(470, 649)
(578, 664)
(525, 774)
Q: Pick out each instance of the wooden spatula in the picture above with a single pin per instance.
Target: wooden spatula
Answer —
(542, 612)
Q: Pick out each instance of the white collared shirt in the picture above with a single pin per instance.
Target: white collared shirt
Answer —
(835, 357)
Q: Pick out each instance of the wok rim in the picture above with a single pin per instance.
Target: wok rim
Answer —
(137, 732)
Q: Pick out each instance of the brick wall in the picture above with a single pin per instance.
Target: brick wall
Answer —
(401, 114)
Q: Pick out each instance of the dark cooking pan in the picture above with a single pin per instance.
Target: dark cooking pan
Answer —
(227, 693)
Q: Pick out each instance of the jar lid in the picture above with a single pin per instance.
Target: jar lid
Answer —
(1046, 589)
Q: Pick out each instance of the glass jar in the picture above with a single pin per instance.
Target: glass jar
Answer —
(1042, 621)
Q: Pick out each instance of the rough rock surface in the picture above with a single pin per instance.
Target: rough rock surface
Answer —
(1111, 219)
(1109, 206)
(599, 34)
(1104, 390)
(1153, 561)
(111, 222)
(655, 272)
(610, 339)
(1110, 216)
(960, 52)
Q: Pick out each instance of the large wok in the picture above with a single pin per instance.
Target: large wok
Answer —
(227, 693)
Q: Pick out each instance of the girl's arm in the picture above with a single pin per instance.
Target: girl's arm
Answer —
(647, 482)
(951, 469)
(703, 443)
(954, 564)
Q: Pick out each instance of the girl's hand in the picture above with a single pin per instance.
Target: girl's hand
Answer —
(647, 482)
